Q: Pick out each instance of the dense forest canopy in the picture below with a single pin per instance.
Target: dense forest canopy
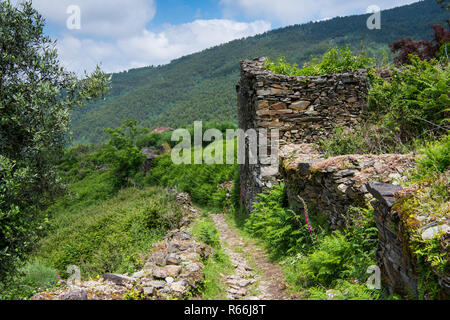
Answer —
(202, 86)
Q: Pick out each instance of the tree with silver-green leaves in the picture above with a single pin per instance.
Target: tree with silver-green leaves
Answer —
(37, 96)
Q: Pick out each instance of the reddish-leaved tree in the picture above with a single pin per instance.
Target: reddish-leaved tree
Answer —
(425, 49)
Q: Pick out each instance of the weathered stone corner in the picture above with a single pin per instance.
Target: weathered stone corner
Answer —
(395, 258)
(303, 109)
(397, 263)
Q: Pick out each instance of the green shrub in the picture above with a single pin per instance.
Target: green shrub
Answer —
(219, 199)
(317, 259)
(436, 156)
(37, 96)
(200, 181)
(328, 262)
(432, 260)
(335, 60)
(154, 139)
(121, 154)
(362, 233)
(341, 257)
(413, 102)
(158, 139)
(20, 224)
(34, 277)
(95, 187)
(405, 111)
(428, 200)
(38, 275)
(344, 290)
(282, 231)
(281, 66)
(343, 143)
(207, 232)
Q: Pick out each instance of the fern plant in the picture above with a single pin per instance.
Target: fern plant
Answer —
(415, 101)
(283, 233)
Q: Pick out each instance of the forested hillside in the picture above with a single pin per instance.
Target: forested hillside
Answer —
(202, 86)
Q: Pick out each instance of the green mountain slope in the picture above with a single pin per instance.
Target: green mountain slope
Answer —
(201, 86)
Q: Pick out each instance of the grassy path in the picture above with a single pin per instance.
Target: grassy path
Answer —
(255, 277)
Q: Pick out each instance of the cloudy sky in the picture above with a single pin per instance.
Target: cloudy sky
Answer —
(124, 34)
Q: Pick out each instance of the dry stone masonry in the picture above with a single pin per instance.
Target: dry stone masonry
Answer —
(395, 258)
(303, 109)
(306, 110)
(333, 185)
(393, 255)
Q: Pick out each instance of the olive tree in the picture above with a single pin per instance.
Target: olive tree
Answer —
(37, 95)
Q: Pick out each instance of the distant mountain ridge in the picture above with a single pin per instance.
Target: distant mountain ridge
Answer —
(201, 86)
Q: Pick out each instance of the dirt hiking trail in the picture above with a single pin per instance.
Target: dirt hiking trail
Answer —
(255, 277)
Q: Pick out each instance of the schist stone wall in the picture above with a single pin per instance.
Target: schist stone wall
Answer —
(303, 109)
(394, 256)
(333, 185)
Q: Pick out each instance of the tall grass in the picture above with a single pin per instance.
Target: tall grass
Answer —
(111, 236)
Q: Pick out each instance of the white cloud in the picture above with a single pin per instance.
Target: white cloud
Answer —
(150, 48)
(114, 33)
(175, 41)
(287, 12)
(84, 54)
(107, 18)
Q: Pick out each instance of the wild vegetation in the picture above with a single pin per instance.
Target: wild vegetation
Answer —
(321, 264)
(36, 96)
(91, 205)
(316, 260)
(200, 181)
(404, 112)
(425, 50)
(213, 286)
(335, 60)
(111, 213)
(428, 199)
(408, 112)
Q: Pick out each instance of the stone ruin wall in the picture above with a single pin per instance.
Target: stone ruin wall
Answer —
(400, 270)
(334, 185)
(305, 110)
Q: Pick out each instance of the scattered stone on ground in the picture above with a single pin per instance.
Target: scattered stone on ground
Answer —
(246, 283)
(160, 279)
(173, 270)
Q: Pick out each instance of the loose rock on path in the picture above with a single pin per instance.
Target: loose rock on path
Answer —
(265, 283)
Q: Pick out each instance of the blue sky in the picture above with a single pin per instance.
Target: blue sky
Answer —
(179, 11)
(124, 34)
